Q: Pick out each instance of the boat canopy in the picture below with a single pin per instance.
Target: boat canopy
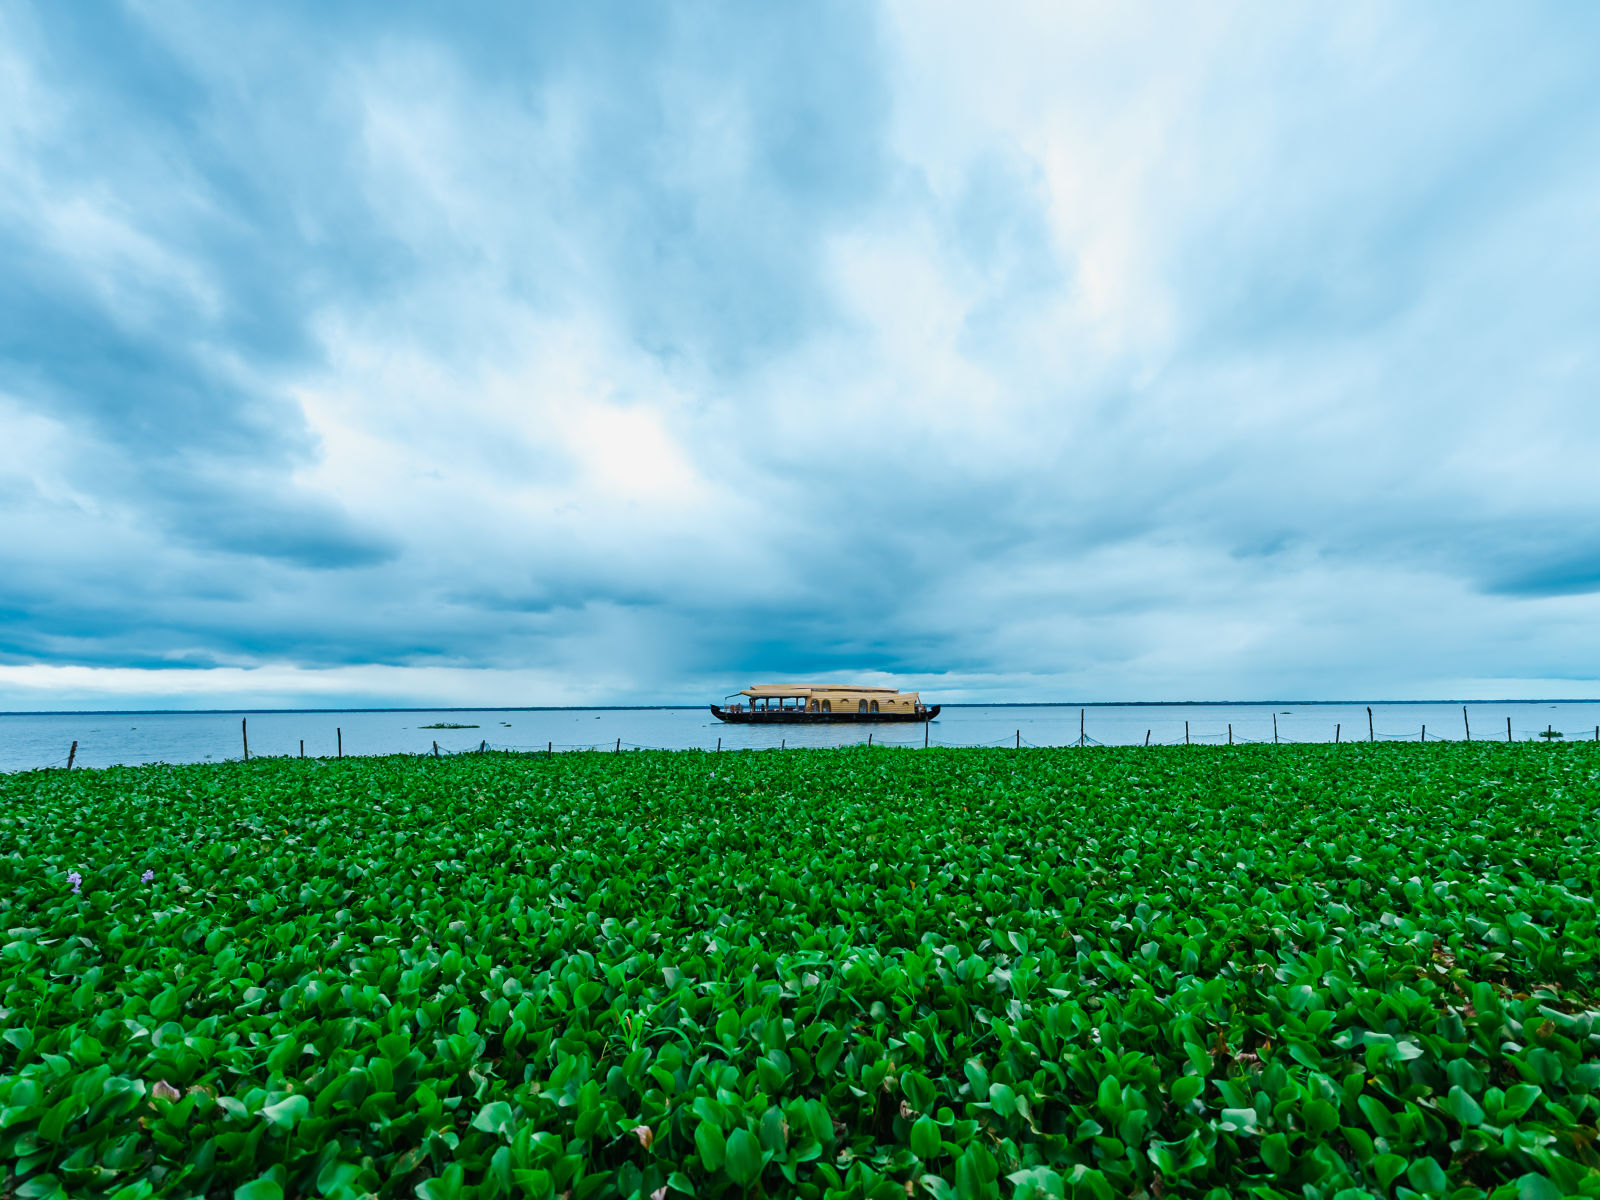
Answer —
(761, 691)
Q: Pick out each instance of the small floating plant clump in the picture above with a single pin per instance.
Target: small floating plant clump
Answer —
(446, 725)
(1302, 972)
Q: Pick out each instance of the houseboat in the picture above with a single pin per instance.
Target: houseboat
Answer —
(821, 704)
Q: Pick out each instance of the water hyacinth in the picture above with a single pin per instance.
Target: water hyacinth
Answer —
(821, 974)
(76, 880)
(147, 876)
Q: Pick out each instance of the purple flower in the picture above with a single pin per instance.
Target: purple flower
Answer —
(147, 876)
(76, 881)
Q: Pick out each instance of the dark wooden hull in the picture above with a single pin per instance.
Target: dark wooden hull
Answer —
(797, 716)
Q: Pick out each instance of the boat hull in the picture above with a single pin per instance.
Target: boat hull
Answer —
(797, 716)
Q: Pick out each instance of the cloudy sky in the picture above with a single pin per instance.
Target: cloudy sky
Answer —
(632, 353)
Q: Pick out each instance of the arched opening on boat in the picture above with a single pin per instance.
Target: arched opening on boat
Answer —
(827, 706)
(874, 706)
(862, 707)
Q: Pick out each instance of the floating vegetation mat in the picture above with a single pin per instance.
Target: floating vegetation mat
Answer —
(1308, 972)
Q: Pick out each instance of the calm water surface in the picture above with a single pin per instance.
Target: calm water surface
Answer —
(30, 740)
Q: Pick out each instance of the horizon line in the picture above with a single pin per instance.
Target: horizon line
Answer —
(1084, 704)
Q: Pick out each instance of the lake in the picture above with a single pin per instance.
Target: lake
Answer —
(30, 740)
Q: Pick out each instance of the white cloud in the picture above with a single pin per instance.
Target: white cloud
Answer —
(1086, 350)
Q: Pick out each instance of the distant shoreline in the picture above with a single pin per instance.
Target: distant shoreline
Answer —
(223, 712)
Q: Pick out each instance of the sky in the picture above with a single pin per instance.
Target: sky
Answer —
(525, 354)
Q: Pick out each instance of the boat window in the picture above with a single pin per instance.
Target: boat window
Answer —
(874, 706)
(827, 706)
(813, 706)
(862, 707)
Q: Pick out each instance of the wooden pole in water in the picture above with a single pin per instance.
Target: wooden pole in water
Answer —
(1230, 733)
(302, 747)
(1371, 737)
(1466, 722)
(719, 745)
(618, 750)
(436, 749)
(72, 754)
(1186, 733)
(869, 737)
(483, 745)
(1146, 737)
(1336, 733)
(549, 749)
(1274, 729)
(783, 743)
(1424, 733)
(1080, 727)
(245, 734)
(1508, 729)
(339, 734)
(1019, 740)
(925, 724)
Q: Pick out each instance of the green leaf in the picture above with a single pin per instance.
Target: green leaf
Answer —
(264, 1188)
(1379, 1117)
(744, 1157)
(1520, 1099)
(337, 1177)
(447, 1186)
(54, 1123)
(1186, 1087)
(969, 1180)
(286, 1113)
(495, 1117)
(1387, 1168)
(919, 1090)
(1003, 1100)
(976, 1171)
(926, 1142)
(1243, 1119)
(1110, 1094)
(828, 1053)
(1321, 1116)
(1275, 1152)
(712, 1145)
(1462, 1106)
(1035, 1183)
(1427, 1177)
(1088, 1181)
(1537, 1187)
(42, 1187)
